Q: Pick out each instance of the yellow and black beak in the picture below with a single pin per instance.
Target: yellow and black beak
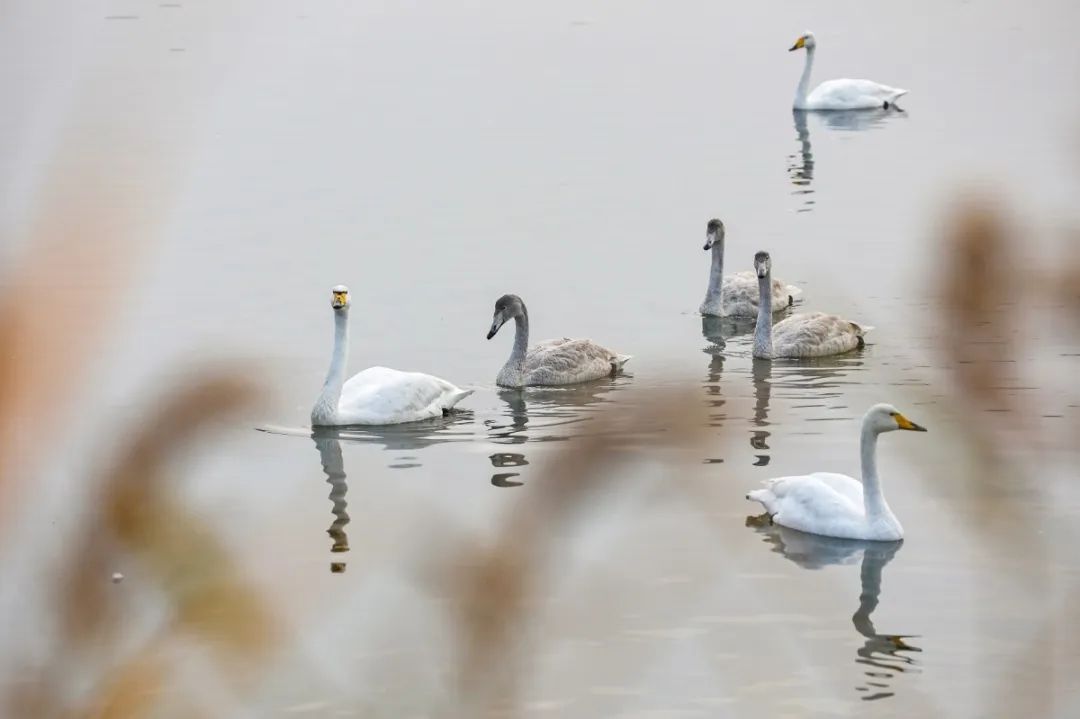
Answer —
(904, 423)
(340, 300)
(799, 44)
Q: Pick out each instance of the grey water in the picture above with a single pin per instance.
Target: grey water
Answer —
(434, 157)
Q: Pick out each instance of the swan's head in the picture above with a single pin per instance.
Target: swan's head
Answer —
(714, 233)
(886, 418)
(805, 40)
(762, 263)
(339, 297)
(506, 307)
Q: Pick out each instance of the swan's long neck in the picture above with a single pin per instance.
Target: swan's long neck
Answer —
(804, 81)
(716, 274)
(327, 404)
(873, 499)
(513, 371)
(763, 348)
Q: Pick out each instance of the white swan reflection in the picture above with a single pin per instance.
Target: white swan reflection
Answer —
(801, 163)
(884, 657)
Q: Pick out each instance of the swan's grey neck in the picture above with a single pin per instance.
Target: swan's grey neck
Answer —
(513, 372)
(804, 81)
(716, 275)
(327, 404)
(873, 499)
(763, 348)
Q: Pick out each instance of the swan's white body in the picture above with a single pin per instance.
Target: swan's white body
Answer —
(809, 334)
(377, 395)
(551, 362)
(843, 94)
(736, 295)
(835, 505)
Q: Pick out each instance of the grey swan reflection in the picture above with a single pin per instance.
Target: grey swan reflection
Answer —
(801, 163)
(715, 330)
(819, 382)
(761, 375)
(326, 441)
(884, 657)
(542, 414)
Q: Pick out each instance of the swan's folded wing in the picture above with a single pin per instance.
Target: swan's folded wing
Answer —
(567, 361)
(382, 395)
(852, 94)
(815, 334)
(842, 484)
(810, 503)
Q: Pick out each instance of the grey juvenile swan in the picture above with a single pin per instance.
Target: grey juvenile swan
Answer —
(736, 295)
(551, 362)
(807, 334)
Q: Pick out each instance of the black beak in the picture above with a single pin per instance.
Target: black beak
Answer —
(491, 332)
(916, 427)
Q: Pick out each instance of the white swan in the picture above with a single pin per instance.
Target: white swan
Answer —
(552, 362)
(839, 94)
(809, 334)
(378, 395)
(736, 295)
(835, 505)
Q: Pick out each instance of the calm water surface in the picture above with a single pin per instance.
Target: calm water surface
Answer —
(434, 158)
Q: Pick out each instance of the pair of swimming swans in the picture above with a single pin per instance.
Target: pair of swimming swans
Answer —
(380, 395)
(757, 294)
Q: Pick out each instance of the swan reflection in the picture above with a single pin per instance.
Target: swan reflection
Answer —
(883, 656)
(819, 382)
(801, 163)
(326, 441)
(759, 437)
(542, 414)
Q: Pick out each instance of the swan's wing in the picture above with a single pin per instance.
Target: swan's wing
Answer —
(380, 395)
(843, 484)
(817, 503)
(815, 334)
(848, 94)
(568, 361)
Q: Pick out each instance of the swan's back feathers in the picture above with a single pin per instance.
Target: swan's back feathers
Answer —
(568, 361)
(849, 94)
(815, 334)
(380, 395)
(740, 296)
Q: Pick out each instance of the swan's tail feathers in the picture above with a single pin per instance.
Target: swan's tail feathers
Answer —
(765, 497)
(897, 93)
(456, 396)
(620, 360)
(860, 333)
